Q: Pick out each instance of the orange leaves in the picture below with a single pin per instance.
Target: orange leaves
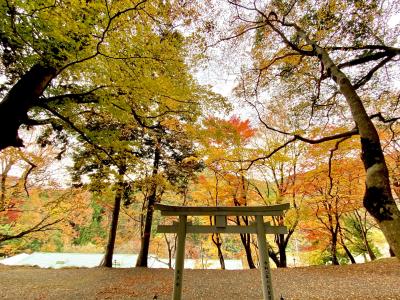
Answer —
(242, 128)
(233, 131)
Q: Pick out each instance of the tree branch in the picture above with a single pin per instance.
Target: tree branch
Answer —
(141, 123)
(367, 58)
(368, 76)
(37, 228)
(103, 36)
(75, 96)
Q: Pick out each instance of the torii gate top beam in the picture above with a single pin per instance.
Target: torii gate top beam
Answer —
(272, 210)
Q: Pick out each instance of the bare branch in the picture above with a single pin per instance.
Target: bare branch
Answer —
(381, 118)
(365, 59)
(39, 227)
(365, 47)
(367, 77)
(139, 119)
(28, 172)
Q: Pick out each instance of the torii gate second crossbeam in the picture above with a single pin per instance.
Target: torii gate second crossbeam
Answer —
(220, 213)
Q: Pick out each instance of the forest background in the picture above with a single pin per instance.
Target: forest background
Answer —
(117, 89)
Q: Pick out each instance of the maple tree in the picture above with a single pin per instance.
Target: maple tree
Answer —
(334, 189)
(278, 183)
(225, 145)
(33, 204)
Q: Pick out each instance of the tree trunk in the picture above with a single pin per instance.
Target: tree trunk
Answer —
(282, 241)
(170, 248)
(221, 258)
(371, 254)
(19, 100)
(107, 260)
(348, 253)
(218, 243)
(4, 175)
(145, 239)
(334, 258)
(282, 252)
(378, 199)
(246, 241)
(346, 249)
(274, 257)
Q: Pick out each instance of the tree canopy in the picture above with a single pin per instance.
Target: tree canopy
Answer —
(114, 86)
(328, 61)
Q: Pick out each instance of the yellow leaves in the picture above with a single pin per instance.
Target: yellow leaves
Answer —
(171, 124)
(190, 160)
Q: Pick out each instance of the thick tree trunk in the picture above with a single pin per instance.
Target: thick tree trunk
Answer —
(282, 252)
(378, 199)
(19, 100)
(274, 257)
(107, 260)
(145, 240)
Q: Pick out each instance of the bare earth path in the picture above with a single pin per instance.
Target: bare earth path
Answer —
(377, 280)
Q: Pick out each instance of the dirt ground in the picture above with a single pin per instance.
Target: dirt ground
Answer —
(376, 280)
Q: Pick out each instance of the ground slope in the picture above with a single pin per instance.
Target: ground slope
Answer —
(376, 280)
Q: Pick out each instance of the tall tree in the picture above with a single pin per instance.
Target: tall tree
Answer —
(173, 161)
(53, 52)
(104, 170)
(330, 60)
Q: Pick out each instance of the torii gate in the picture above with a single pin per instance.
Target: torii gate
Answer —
(220, 214)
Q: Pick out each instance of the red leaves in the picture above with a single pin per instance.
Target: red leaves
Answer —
(234, 130)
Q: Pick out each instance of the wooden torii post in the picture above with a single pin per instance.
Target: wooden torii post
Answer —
(220, 214)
